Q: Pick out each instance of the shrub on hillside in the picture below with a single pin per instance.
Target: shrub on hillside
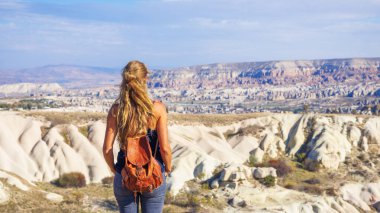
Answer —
(300, 157)
(107, 180)
(218, 169)
(201, 175)
(205, 186)
(169, 198)
(192, 200)
(290, 186)
(252, 161)
(313, 189)
(313, 181)
(269, 181)
(73, 179)
(281, 167)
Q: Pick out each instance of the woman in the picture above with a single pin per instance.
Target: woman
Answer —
(134, 115)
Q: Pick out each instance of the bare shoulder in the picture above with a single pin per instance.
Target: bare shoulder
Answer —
(159, 107)
(113, 110)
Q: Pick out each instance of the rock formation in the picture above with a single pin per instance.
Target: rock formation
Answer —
(326, 141)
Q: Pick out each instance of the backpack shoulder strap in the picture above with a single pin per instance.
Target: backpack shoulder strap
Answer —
(155, 148)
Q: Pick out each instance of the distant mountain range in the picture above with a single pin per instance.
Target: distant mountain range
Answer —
(247, 74)
(220, 75)
(66, 75)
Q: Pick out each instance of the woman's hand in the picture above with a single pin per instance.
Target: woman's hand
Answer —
(113, 170)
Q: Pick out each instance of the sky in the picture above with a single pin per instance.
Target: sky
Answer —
(176, 33)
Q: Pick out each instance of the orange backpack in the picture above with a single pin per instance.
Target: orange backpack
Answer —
(141, 172)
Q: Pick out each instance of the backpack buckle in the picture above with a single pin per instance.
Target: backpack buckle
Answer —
(138, 170)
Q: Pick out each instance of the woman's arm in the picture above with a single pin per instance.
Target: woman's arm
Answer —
(162, 130)
(111, 132)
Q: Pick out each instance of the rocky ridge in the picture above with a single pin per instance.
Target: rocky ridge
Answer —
(345, 144)
(246, 74)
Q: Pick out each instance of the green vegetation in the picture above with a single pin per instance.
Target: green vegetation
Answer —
(269, 181)
(198, 199)
(212, 119)
(65, 136)
(307, 181)
(252, 161)
(312, 189)
(83, 130)
(218, 169)
(57, 118)
(92, 198)
(313, 181)
(201, 175)
(300, 157)
(205, 186)
(5, 106)
(252, 129)
(73, 179)
(192, 200)
(168, 197)
(108, 180)
(29, 104)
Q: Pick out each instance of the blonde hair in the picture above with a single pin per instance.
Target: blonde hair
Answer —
(135, 107)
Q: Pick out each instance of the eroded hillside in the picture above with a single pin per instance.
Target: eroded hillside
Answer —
(222, 163)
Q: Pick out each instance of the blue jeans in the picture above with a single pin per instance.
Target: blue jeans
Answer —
(151, 202)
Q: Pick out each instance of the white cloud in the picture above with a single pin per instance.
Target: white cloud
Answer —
(224, 23)
(36, 32)
(177, 0)
(12, 5)
(353, 27)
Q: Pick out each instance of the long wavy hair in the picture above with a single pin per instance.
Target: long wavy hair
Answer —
(135, 109)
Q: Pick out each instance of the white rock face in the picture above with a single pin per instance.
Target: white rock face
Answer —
(185, 167)
(15, 146)
(354, 135)
(243, 144)
(14, 181)
(214, 184)
(277, 199)
(328, 147)
(296, 135)
(198, 150)
(204, 170)
(372, 129)
(272, 144)
(26, 88)
(235, 172)
(41, 155)
(364, 143)
(96, 134)
(258, 154)
(64, 157)
(237, 202)
(54, 197)
(97, 167)
(25, 153)
(361, 195)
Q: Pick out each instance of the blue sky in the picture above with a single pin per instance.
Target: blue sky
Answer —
(172, 33)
